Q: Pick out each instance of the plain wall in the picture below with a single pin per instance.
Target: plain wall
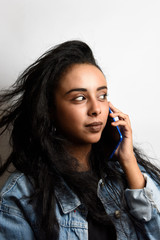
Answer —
(124, 36)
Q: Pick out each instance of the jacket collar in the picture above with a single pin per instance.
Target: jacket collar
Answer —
(67, 200)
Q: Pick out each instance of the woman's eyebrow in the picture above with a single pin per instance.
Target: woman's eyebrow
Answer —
(84, 89)
(76, 90)
(103, 87)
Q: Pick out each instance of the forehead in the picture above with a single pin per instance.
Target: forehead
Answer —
(82, 75)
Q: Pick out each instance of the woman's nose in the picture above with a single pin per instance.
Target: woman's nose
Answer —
(94, 108)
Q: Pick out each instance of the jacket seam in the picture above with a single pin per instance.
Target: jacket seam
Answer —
(11, 184)
(11, 211)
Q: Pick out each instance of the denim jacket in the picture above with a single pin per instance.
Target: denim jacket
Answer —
(19, 221)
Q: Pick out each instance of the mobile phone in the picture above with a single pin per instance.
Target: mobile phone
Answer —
(115, 135)
(112, 137)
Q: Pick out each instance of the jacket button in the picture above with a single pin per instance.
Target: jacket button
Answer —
(117, 214)
(102, 184)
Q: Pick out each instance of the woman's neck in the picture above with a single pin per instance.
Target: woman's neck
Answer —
(81, 153)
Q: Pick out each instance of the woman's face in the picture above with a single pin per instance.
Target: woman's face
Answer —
(81, 104)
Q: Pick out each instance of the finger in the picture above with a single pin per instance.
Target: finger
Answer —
(122, 124)
(119, 123)
(113, 108)
(121, 116)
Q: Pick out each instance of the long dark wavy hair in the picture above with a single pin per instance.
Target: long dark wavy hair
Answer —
(38, 150)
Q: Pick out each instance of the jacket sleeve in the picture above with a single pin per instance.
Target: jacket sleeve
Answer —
(16, 214)
(13, 226)
(144, 205)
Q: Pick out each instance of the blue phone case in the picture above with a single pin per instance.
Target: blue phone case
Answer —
(120, 137)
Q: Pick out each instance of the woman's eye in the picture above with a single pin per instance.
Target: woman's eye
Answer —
(80, 98)
(103, 96)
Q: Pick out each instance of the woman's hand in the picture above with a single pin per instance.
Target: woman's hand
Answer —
(125, 153)
(125, 149)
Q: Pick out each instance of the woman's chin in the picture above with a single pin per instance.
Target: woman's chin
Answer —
(93, 139)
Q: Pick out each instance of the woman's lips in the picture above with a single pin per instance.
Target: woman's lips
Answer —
(94, 127)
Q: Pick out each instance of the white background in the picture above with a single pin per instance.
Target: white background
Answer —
(123, 34)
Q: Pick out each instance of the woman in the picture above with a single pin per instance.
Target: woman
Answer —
(64, 186)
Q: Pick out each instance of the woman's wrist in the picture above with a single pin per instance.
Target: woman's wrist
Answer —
(133, 174)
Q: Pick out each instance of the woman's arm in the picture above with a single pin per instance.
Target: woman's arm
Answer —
(125, 152)
(144, 206)
(17, 215)
(13, 226)
(142, 194)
